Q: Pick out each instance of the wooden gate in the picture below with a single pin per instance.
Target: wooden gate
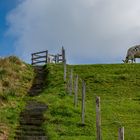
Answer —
(40, 58)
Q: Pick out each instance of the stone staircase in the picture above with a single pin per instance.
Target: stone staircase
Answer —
(31, 118)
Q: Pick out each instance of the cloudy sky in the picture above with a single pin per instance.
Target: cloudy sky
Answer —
(91, 31)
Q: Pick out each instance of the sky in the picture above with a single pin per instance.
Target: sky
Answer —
(5, 42)
(91, 31)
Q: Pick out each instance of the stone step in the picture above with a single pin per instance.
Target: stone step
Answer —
(29, 133)
(34, 109)
(29, 128)
(38, 83)
(34, 104)
(31, 138)
(40, 80)
(30, 122)
(32, 114)
(37, 86)
(33, 91)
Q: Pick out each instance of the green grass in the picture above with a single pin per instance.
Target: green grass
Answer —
(118, 86)
(15, 80)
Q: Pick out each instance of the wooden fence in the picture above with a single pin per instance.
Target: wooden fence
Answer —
(72, 87)
(40, 58)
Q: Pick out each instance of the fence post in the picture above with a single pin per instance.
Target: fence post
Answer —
(76, 91)
(63, 54)
(68, 86)
(46, 56)
(83, 101)
(65, 71)
(71, 82)
(57, 58)
(121, 133)
(32, 59)
(98, 118)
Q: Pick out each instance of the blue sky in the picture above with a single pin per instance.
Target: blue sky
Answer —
(6, 43)
(91, 31)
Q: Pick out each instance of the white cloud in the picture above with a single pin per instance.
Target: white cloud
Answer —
(92, 31)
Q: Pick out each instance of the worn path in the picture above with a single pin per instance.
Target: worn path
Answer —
(31, 118)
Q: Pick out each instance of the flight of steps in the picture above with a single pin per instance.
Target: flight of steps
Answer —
(38, 82)
(31, 118)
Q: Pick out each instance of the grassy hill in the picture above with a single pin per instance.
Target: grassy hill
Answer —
(15, 80)
(118, 86)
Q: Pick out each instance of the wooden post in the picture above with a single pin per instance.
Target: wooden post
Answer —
(76, 92)
(71, 82)
(98, 118)
(121, 134)
(83, 101)
(46, 56)
(57, 56)
(68, 86)
(32, 59)
(65, 71)
(63, 54)
(55, 59)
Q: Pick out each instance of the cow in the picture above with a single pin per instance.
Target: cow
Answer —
(132, 54)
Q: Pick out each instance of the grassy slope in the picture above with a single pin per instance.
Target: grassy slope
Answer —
(118, 85)
(15, 80)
